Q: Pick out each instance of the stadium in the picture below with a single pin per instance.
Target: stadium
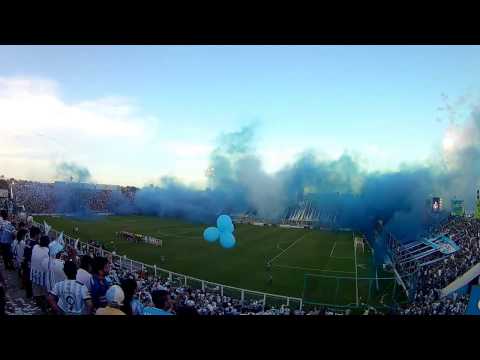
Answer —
(299, 264)
(253, 180)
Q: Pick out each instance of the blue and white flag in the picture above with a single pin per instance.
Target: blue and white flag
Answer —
(60, 239)
(46, 227)
(54, 248)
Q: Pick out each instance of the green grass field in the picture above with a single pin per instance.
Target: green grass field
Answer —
(292, 252)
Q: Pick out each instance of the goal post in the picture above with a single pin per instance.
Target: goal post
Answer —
(350, 291)
(359, 243)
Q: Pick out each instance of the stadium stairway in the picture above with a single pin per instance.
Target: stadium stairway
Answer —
(461, 281)
(16, 300)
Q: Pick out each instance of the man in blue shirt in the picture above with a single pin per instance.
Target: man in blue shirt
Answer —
(162, 301)
(99, 282)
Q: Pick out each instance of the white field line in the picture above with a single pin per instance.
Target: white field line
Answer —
(165, 235)
(312, 269)
(356, 269)
(288, 247)
(333, 248)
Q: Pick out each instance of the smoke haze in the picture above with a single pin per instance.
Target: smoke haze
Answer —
(359, 199)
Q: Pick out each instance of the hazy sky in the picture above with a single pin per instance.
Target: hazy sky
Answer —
(132, 114)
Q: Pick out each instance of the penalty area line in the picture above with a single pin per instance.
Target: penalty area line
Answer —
(312, 269)
(288, 247)
(279, 247)
(333, 248)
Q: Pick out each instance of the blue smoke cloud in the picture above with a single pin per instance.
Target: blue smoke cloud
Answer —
(73, 172)
(73, 193)
(173, 199)
(341, 188)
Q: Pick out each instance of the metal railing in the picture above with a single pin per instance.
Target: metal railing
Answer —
(186, 280)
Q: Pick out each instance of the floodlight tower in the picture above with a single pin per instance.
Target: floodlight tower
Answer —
(210, 175)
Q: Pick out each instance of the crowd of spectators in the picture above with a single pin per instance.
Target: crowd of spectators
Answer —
(432, 278)
(428, 302)
(139, 287)
(54, 273)
(35, 196)
(99, 200)
(48, 198)
(80, 281)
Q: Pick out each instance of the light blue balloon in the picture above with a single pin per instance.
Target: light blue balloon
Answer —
(211, 234)
(227, 240)
(225, 224)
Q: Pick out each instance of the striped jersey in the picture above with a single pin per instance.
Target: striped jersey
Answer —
(38, 275)
(7, 232)
(54, 272)
(71, 296)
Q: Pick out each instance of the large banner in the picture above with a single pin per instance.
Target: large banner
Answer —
(458, 208)
(444, 244)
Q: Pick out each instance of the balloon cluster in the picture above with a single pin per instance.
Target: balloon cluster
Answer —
(223, 231)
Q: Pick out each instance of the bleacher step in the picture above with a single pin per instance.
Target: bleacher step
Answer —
(461, 281)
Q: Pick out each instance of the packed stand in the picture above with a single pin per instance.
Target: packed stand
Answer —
(38, 198)
(47, 198)
(433, 278)
(81, 281)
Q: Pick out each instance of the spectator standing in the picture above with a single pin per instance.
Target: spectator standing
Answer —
(70, 297)
(7, 236)
(99, 284)
(131, 306)
(38, 275)
(18, 247)
(115, 298)
(162, 301)
(27, 258)
(53, 266)
(84, 275)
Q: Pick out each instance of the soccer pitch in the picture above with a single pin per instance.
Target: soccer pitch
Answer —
(293, 253)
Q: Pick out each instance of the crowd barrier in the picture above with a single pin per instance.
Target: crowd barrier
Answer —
(185, 280)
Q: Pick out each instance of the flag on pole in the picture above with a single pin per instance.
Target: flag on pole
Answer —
(46, 227)
(54, 248)
(60, 239)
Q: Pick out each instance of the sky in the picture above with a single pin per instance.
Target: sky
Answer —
(132, 114)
